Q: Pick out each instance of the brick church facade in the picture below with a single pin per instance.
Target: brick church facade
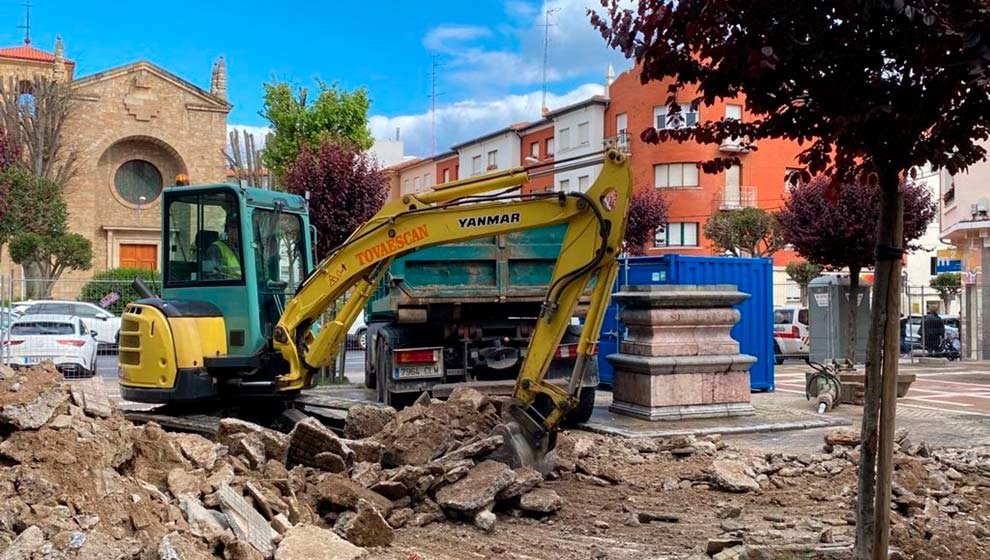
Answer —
(133, 129)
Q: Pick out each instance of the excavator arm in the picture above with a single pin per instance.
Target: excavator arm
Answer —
(460, 211)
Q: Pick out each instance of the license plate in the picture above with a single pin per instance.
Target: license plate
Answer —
(31, 360)
(411, 372)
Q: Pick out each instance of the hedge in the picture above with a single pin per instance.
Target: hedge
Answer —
(119, 280)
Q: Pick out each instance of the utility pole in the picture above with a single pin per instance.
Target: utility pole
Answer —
(546, 54)
(433, 102)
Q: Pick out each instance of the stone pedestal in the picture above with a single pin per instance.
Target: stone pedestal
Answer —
(678, 360)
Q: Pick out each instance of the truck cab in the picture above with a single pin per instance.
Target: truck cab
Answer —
(230, 257)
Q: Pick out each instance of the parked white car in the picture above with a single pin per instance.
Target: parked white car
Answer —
(106, 324)
(357, 335)
(63, 339)
(790, 333)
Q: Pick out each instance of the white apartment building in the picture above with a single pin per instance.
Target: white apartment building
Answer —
(579, 130)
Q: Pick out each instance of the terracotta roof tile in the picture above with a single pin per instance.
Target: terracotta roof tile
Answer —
(27, 52)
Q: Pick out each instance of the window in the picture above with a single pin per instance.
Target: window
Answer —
(492, 160)
(549, 150)
(417, 184)
(406, 185)
(732, 177)
(675, 175)
(621, 124)
(534, 149)
(446, 175)
(41, 328)
(792, 177)
(583, 183)
(476, 165)
(733, 112)
(565, 185)
(677, 234)
(583, 134)
(204, 239)
(279, 249)
(803, 317)
(565, 138)
(427, 180)
(688, 116)
(783, 316)
(138, 182)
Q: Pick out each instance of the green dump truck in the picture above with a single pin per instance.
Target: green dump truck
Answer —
(463, 313)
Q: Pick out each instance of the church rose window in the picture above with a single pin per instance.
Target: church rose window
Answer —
(138, 182)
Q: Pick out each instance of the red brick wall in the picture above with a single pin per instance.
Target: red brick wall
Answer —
(538, 184)
(763, 168)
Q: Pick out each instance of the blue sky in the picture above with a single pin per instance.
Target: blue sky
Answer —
(490, 52)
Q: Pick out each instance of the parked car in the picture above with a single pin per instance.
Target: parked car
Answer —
(63, 339)
(911, 331)
(106, 324)
(357, 335)
(790, 333)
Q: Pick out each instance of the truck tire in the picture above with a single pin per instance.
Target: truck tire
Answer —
(586, 405)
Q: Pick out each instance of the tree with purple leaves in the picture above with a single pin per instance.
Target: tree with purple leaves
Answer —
(345, 188)
(874, 88)
(647, 214)
(841, 231)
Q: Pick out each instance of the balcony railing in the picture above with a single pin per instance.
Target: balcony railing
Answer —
(736, 145)
(621, 142)
(736, 198)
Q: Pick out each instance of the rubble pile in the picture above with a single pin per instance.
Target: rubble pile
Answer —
(79, 481)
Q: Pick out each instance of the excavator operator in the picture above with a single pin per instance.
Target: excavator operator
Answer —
(222, 261)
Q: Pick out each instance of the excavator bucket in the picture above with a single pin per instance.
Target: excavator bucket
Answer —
(525, 442)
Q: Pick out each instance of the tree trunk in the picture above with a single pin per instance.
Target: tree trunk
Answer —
(804, 295)
(866, 529)
(853, 308)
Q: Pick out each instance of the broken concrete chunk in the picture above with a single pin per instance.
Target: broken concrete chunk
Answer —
(308, 542)
(367, 527)
(526, 480)
(399, 517)
(174, 546)
(33, 414)
(25, 545)
(485, 520)
(366, 420)
(476, 449)
(201, 451)
(463, 393)
(240, 550)
(281, 523)
(245, 521)
(345, 493)
(91, 396)
(207, 524)
(846, 437)
(330, 462)
(541, 500)
(368, 451)
(730, 475)
(478, 488)
(366, 474)
(182, 483)
(308, 439)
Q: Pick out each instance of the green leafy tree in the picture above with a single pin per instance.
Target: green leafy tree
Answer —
(34, 205)
(949, 286)
(749, 232)
(802, 273)
(45, 257)
(119, 280)
(298, 121)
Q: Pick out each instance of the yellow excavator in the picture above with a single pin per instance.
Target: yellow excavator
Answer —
(224, 327)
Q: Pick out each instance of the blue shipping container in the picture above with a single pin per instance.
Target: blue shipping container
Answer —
(752, 276)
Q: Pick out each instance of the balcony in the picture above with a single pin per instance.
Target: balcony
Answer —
(736, 145)
(621, 142)
(735, 198)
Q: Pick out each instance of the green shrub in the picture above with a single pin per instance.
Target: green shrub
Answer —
(119, 280)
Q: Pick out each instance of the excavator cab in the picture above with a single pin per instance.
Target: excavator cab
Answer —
(231, 257)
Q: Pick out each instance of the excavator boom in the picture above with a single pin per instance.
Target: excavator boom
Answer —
(456, 212)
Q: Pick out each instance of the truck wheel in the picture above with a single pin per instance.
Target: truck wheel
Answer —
(586, 405)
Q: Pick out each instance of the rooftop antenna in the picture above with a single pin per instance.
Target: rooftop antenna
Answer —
(546, 55)
(433, 101)
(27, 22)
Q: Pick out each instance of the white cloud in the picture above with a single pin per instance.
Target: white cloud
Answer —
(576, 48)
(446, 38)
(471, 118)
